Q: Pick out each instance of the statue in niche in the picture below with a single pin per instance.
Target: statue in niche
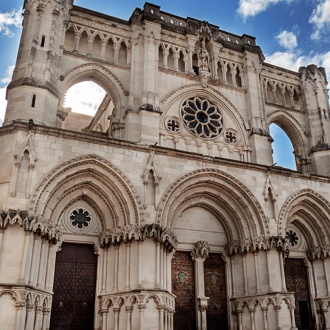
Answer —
(203, 57)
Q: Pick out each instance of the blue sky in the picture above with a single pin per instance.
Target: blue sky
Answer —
(291, 33)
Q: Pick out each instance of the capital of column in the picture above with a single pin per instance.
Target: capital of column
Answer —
(201, 250)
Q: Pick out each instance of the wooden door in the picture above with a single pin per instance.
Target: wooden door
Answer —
(215, 289)
(74, 288)
(183, 286)
(297, 282)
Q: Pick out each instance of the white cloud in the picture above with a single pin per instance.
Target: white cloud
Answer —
(253, 7)
(287, 40)
(9, 20)
(293, 60)
(4, 82)
(321, 20)
(84, 98)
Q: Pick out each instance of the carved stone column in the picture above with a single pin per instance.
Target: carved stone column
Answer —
(199, 254)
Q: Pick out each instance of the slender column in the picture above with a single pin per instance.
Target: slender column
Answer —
(128, 266)
(325, 318)
(253, 323)
(141, 309)
(176, 61)
(45, 317)
(278, 319)
(77, 38)
(104, 44)
(1, 238)
(26, 262)
(161, 267)
(90, 45)
(256, 264)
(164, 267)
(281, 260)
(171, 320)
(104, 313)
(165, 319)
(129, 310)
(116, 52)
(30, 316)
(268, 272)
(139, 283)
(38, 320)
(157, 265)
(49, 278)
(20, 316)
(233, 275)
(105, 266)
(326, 275)
(314, 275)
(35, 260)
(161, 317)
(264, 312)
(115, 280)
(240, 320)
(293, 320)
(43, 263)
(246, 292)
(116, 311)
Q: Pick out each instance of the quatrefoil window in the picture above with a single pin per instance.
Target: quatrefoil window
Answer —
(202, 118)
(173, 124)
(292, 237)
(231, 136)
(80, 218)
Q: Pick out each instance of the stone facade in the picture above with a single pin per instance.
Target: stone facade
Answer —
(172, 182)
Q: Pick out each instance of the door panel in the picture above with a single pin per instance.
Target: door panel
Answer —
(74, 288)
(215, 289)
(297, 282)
(183, 286)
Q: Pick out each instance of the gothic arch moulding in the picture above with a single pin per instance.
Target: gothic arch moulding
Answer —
(221, 194)
(176, 98)
(93, 180)
(310, 212)
(292, 128)
(100, 75)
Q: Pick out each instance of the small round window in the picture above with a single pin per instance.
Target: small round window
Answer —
(202, 118)
(80, 218)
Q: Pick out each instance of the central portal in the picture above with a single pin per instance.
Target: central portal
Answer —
(74, 288)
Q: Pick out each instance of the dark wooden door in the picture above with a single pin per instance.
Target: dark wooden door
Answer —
(74, 288)
(297, 282)
(215, 289)
(183, 286)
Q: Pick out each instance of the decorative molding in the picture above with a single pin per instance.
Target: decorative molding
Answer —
(139, 233)
(201, 250)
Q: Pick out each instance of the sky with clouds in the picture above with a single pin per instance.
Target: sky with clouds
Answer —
(291, 33)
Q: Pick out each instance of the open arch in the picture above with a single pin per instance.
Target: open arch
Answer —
(220, 193)
(94, 180)
(294, 131)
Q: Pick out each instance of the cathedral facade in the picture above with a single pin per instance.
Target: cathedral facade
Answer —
(165, 210)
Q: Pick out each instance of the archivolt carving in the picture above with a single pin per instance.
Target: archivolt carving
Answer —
(238, 198)
(314, 208)
(109, 180)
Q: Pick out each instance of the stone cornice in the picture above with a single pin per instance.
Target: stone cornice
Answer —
(95, 138)
(139, 233)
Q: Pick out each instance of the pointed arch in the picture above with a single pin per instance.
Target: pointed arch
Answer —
(94, 180)
(310, 212)
(227, 198)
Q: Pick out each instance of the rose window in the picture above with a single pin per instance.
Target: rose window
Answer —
(202, 118)
(292, 237)
(80, 218)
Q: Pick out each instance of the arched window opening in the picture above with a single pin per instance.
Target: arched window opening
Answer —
(282, 148)
(97, 47)
(83, 43)
(219, 71)
(229, 75)
(181, 64)
(195, 64)
(122, 56)
(170, 60)
(238, 78)
(160, 56)
(83, 102)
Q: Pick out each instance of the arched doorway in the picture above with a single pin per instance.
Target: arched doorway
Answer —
(74, 287)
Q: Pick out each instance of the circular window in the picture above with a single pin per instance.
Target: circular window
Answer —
(80, 218)
(202, 118)
(292, 237)
(231, 136)
(173, 124)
